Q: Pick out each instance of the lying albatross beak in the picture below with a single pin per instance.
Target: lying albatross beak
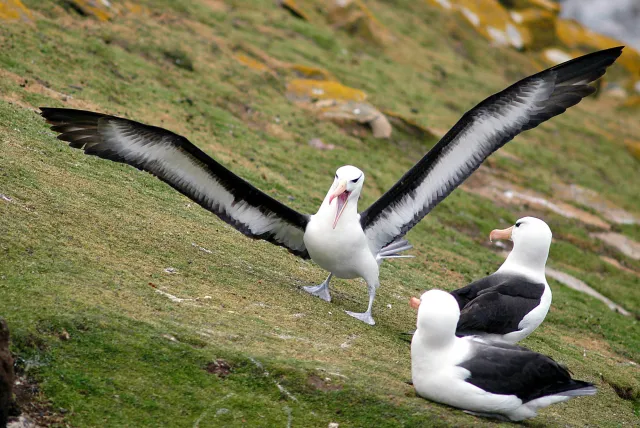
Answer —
(414, 303)
(343, 197)
(500, 234)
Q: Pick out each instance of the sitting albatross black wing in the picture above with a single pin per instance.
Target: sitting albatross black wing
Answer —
(179, 163)
(480, 132)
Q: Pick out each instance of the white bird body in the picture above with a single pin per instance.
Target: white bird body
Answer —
(495, 380)
(342, 250)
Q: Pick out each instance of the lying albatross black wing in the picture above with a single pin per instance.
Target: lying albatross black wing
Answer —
(480, 132)
(186, 168)
(514, 370)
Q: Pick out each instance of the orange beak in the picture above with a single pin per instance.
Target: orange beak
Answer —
(414, 303)
(500, 234)
(343, 198)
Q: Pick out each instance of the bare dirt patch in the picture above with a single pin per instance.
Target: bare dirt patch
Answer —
(219, 367)
(323, 385)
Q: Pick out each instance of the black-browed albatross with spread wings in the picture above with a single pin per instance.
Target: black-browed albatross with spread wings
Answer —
(345, 243)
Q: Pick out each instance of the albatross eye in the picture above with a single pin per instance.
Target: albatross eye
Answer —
(518, 224)
(355, 180)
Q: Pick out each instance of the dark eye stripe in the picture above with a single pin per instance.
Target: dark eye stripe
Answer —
(356, 180)
(518, 224)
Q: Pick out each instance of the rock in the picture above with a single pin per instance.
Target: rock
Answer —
(409, 126)
(540, 26)
(14, 10)
(314, 73)
(99, 9)
(556, 56)
(359, 112)
(545, 5)
(622, 243)
(354, 17)
(6, 373)
(252, 63)
(320, 145)
(633, 147)
(576, 284)
(593, 200)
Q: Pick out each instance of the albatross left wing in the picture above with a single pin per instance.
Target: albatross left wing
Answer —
(480, 132)
(176, 161)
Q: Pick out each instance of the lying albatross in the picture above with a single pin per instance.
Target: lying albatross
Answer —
(337, 238)
(497, 380)
(511, 303)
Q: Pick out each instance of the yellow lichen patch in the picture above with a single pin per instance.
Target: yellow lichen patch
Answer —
(632, 102)
(444, 4)
(308, 89)
(14, 10)
(294, 9)
(130, 8)
(409, 125)
(633, 146)
(250, 62)
(98, 9)
(354, 17)
(492, 21)
(539, 24)
(308, 72)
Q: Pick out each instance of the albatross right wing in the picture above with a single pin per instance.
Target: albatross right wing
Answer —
(480, 132)
(186, 168)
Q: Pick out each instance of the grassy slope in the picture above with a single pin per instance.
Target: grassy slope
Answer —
(84, 238)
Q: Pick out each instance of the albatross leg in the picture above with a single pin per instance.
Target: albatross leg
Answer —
(321, 291)
(366, 316)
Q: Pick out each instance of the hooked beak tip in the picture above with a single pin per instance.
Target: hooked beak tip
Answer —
(414, 303)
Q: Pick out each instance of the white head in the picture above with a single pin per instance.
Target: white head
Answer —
(531, 241)
(438, 315)
(345, 188)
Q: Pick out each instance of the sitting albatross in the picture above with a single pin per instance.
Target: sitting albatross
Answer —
(340, 240)
(511, 303)
(487, 379)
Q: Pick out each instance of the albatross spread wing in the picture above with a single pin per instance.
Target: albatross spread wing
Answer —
(186, 168)
(480, 132)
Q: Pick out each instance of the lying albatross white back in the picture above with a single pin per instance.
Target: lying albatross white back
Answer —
(496, 380)
(340, 240)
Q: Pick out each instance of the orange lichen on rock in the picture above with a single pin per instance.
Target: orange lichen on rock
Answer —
(308, 72)
(633, 146)
(546, 5)
(492, 21)
(14, 10)
(309, 89)
(252, 63)
(356, 18)
(99, 9)
(540, 26)
(574, 35)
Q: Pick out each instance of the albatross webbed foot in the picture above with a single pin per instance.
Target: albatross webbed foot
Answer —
(321, 291)
(364, 317)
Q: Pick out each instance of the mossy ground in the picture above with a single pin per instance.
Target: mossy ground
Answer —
(84, 242)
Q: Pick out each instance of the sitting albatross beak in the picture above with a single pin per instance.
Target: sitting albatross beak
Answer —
(501, 234)
(343, 197)
(414, 303)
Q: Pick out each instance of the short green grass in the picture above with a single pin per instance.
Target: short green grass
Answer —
(85, 242)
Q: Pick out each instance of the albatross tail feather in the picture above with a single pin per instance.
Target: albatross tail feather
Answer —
(393, 250)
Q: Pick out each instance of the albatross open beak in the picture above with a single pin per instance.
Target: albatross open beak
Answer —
(414, 303)
(343, 197)
(500, 234)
